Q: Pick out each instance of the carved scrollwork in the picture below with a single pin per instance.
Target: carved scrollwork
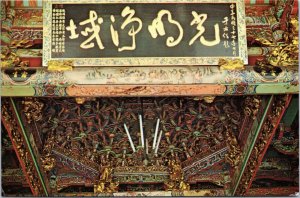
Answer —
(47, 159)
(287, 146)
(284, 56)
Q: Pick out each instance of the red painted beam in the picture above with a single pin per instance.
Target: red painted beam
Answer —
(8, 128)
(269, 141)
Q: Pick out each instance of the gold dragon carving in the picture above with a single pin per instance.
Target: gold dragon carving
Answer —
(10, 59)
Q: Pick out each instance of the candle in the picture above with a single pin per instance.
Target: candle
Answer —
(141, 130)
(129, 138)
(158, 141)
(155, 134)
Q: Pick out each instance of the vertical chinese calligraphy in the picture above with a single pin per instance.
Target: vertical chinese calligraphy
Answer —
(233, 25)
(58, 30)
(225, 33)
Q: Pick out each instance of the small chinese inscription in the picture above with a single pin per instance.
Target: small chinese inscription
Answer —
(58, 30)
(233, 32)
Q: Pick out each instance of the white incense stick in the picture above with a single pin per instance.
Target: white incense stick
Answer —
(158, 141)
(129, 138)
(147, 146)
(141, 130)
(155, 134)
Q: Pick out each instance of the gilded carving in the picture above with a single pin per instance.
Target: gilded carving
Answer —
(47, 159)
(209, 99)
(287, 53)
(55, 65)
(233, 156)
(106, 183)
(176, 181)
(261, 36)
(32, 109)
(252, 105)
(9, 58)
(284, 56)
(235, 64)
(21, 44)
(48, 162)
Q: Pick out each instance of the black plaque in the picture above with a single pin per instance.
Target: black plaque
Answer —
(86, 31)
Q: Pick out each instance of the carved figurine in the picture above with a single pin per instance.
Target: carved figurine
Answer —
(183, 186)
(106, 184)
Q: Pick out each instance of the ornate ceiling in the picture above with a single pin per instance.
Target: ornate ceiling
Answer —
(85, 136)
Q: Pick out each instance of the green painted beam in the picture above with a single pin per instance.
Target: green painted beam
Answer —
(262, 88)
(277, 88)
(29, 147)
(252, 144)
(17, 91)
(291, 112)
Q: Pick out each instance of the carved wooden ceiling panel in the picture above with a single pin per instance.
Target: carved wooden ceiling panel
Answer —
(84, 135)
